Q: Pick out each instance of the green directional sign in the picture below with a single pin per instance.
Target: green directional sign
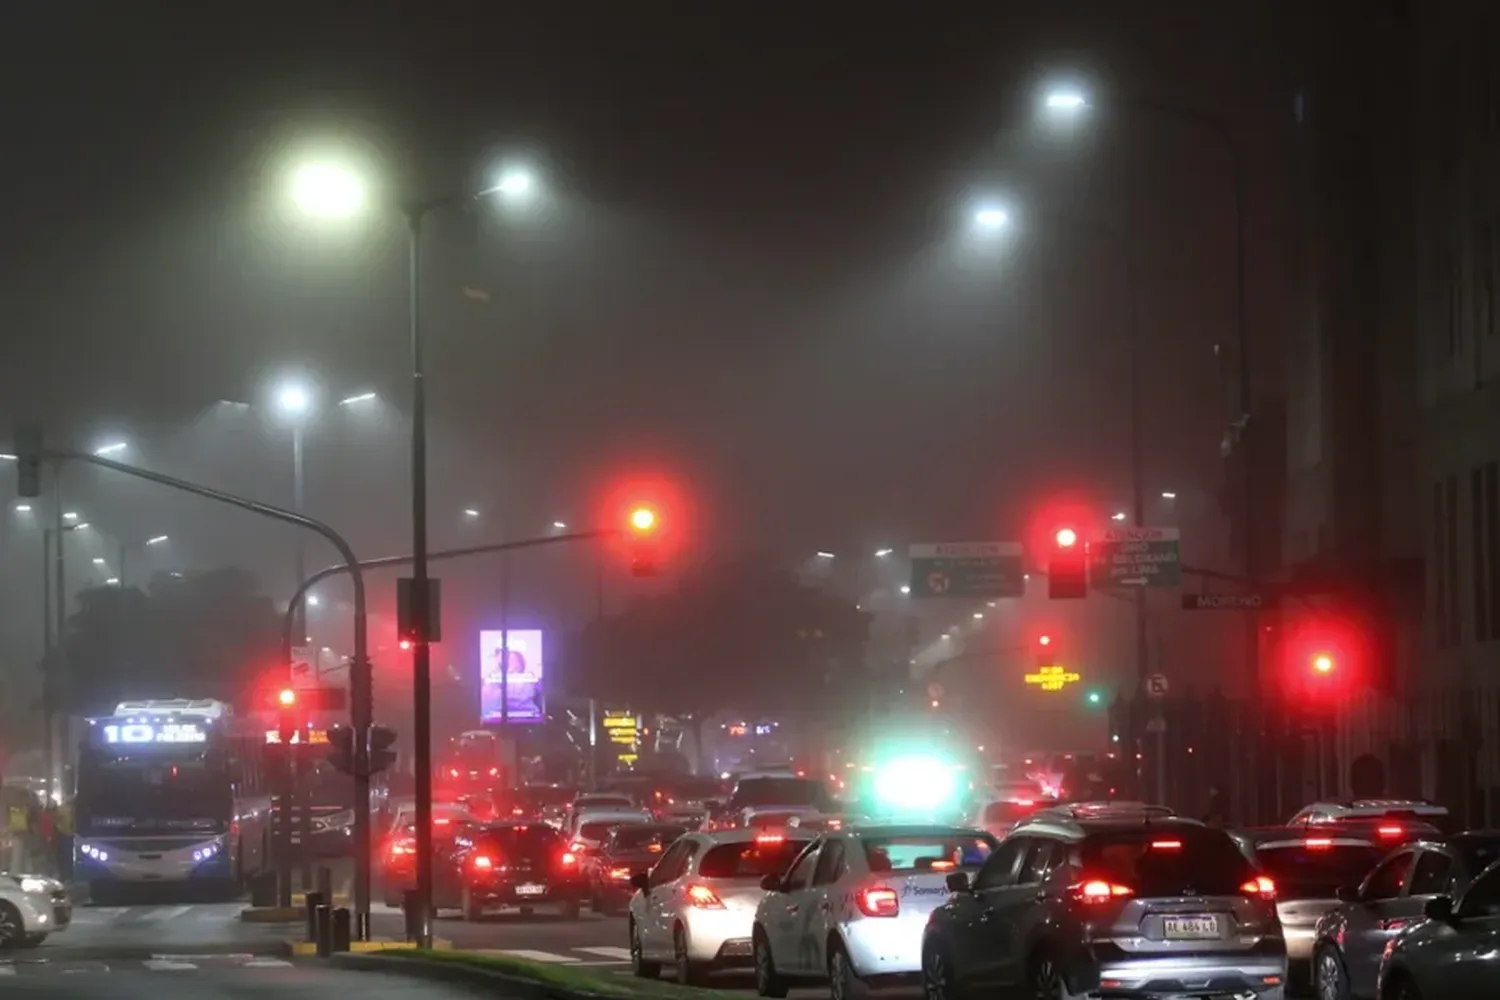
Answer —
(967, 569)
(1136, 557)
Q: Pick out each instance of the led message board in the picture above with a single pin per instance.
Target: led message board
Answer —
(152, 733)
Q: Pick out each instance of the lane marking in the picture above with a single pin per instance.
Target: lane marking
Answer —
(161, 965)
(268, 963)
(535, 956)
(7, 970)
(623, 954)
(173, 912)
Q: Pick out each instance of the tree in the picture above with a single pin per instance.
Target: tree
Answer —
(733, 634)
(208, 635)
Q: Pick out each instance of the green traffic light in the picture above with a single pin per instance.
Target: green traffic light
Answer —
(1095, 698)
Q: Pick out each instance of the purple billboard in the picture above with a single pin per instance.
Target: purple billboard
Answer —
(512, 694)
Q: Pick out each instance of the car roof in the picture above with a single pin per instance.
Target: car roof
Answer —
(915, 830)
(740, 835)
(1288, 836)
(600, 815)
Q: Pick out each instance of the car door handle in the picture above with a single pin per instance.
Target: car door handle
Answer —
(793, 908)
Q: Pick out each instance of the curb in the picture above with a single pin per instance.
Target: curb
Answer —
(309, 949)
(467, 975)
(273, 915)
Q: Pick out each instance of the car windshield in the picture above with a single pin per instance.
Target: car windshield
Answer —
(1168, 862)
(778, 792)
(644, 837)
(1310, 870)
(927, 852)
(751, 860)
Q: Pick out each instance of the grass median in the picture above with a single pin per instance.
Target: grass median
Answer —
(566, 977)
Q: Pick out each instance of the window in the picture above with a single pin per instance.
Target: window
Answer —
(1000, 870)
(1168, 861)
(1387, 881)
(1430, 878)
(926, 852)
(1313, 872)
(1041, 861)
(672, 864)
(1483, 897)
(830, 864)
(753, 860)
(801, 874)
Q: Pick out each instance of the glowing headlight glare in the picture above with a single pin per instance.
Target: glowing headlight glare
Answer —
(915, 783)
(35, 885)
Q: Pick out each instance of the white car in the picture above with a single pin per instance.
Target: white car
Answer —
(694, 910)
(31, 907)
(851, 909)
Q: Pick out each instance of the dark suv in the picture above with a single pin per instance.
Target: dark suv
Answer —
(1119, 901)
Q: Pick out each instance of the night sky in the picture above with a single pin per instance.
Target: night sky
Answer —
(753, 269)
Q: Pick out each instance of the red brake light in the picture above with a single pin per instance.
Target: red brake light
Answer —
(403, 847)
(704, 898)
(569, 858)
(481, 861)
(1390, 831)
(770, 838)
(1260, 886)
(1166, 845)
(943, 866)
(441, 822)
(1025, 802)
(1319, 843)
(881, 901)
(1099, 891)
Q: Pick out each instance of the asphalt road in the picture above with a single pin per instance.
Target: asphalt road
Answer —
(205, 978)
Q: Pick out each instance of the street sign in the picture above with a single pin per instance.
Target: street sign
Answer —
(1156, 686)
(1137, 557)
(1053, 678)
(1230, 602)
(967, 569)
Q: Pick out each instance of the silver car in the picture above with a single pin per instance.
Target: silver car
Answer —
(851, 910)
(694, 909)
(1454, 953)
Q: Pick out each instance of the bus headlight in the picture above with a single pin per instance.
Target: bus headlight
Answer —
(206, 851)
(90, 851)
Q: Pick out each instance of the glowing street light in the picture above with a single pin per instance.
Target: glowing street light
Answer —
(1168, 495)
(7, 457)
(883, 553)
(156, 540)
(471, 513)
(516, 184)
(363, 397)
(328, 191)
(312, 600)
(824, 555)
(643, 519)
(23, 508)
(114, 448)
(991, 219)
(1065, 101)
(906, 588)
(559, 526)
(70, 516)
(98, 561)
(293, 399)
(1118, 515)
(978, 616)
(1066, 538)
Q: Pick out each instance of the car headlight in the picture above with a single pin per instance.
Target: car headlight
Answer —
(35, 883)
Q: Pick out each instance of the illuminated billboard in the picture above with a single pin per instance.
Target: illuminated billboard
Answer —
(514, 694)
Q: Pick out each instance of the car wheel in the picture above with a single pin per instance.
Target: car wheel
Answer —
(937, 975)
(1046, 979)
(843, 982)
(638, 964)
(12, 930)
(685, 970)
(32, 940)
(1330, 979)
(1405, 989)
(768, 983)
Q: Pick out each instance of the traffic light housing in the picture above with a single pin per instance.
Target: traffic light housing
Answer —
(1046, 651)
(341, 749)
(1067, 567)
(645, 556)
(28, 445)
(382, 756)
(286, 715)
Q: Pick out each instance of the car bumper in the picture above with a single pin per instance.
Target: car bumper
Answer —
(511, 894)
(40, 914)
(1260, 972)
(719, 936)
(1299, 941)
(885, 946)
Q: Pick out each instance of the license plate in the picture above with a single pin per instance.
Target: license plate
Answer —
(1194, 928)
(531, 890)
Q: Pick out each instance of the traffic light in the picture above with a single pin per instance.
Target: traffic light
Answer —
(28, 445)
(286, 698)
(1067, 568)
(381, 754)
(1046, 651)
(341, 747)
(644, 555)
(1095, 698)
(286, 715)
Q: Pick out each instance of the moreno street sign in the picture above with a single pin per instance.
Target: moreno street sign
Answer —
(1230, 602)
(967, 569)
(1137, 557)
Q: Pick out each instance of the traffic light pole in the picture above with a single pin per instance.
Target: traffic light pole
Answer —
(360, 678)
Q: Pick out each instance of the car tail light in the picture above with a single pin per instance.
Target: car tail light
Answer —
(442, 822)
(1166, 845)
(483, 862)
(1260, 887)
(770, 838)
(881, 901)
(1024, 802)
(704, 898)
(569, 858)
(1099, 891)
(403, 847)
(943, 866)
(1389, 832)
(619, 873)
(1319, 843)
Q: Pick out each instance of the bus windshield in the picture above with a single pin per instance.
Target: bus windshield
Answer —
(136, 794)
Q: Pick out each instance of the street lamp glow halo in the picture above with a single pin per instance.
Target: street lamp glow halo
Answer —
(328, 190)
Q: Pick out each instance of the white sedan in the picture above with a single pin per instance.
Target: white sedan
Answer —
(31, 907)
(851, 910)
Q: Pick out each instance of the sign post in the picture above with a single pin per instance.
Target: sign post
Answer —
(1156, 689)
(1137, 557)
(967, 570)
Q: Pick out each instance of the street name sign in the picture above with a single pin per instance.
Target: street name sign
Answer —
(1137, 557)
(967, 569)
(1230, 602)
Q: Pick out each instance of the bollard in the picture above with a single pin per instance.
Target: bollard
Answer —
(263, 889)
(341, 927)
(314, 900)
(409, 911)
(325, 884)
(325, 930)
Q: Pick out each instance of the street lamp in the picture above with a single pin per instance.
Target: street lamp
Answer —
(471, 512)
(559, 526)
(363, 397)
(883, 553)
(824, 555)
(157, 540)
(114, 448)
(23, 508)
(328, 191)
(991, 219)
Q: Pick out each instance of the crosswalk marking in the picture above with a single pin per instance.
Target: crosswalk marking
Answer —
(622, 954)
(7, 970)
(164, 965)
(535, 956)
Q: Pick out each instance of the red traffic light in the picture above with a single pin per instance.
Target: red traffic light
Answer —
(1323, 663)
(286, 698)
(643, 520)
(1044, 640)
(405, 645)
(1066, 538)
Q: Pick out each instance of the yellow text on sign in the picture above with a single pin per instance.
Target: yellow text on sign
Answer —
(1053, 678)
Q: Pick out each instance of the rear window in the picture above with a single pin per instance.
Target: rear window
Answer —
(604, 802)
(1303, 872)
(597, 831)
(1478, 853)
(766, 820)
(752, 860)
(522, 841)
(643, 837)
(1168, 862)
(926, 853)
(1008, 812)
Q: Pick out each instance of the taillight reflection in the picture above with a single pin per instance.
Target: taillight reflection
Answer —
(1100, 891)
(881, 901)
(1260, 887)
(703, 898)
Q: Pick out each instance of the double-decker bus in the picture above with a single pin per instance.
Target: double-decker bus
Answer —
(171, 794)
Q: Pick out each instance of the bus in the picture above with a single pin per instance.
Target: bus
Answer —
(171, 794)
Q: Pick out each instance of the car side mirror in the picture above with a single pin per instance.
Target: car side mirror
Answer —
(771, 883)
(1439, 908)
(641, 881)
(1346, 894)
(957, 882)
